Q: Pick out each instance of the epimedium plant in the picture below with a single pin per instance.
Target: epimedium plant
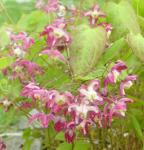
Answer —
(63, 86)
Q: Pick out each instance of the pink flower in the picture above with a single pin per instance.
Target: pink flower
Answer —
(127, 83)
(115, 72)
(31, 67)
(50, 6)
(2, 145)
(55, 54)
(108, 27)
(26, 105)
(43, 118)
(58, 101)
(83, 126)
(70, 132)
(60, 23)
(60, 124)
(82, 110)
(35, 92)
(55, 36)
(94, 14)
(22, 40)
(117, 108)
(89, 93)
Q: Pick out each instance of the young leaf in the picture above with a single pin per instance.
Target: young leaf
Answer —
(137, 127)
(5, 61)
(86, 49)
(82, 145)
(123, 19)
(34, 22)
(64, 146)
(136, 42)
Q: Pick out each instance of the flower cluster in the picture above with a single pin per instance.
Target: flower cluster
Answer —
(49, 6)
(57, 39)
(94, 103)
(91, 107)
(94, 14)
(23, 70)
(2, 145)
(21, 42)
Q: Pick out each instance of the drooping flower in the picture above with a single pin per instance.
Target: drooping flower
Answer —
(54, 54)
(60, 124)
(94, 14)
(56, 36)
(115, 72)
(49, 6)
(35, 92)
(108, 27)
(43, 118)
(90, 93)
(22, 40)
(2, 145)
(82, 110)
(70, 132)
(31, 67)
(60, 23)
(127, 83)
(117, 108)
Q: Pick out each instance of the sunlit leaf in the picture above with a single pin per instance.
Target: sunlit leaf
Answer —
(136, 42)
(123, 19)
(87, 47)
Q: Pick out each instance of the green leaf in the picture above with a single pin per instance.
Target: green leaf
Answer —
(136, 42)
(112, 51)
(60, 136)
(5, 61)
(28, 140)
(27, 144)
(4, 39)
(87, 47)
(64, 146)
(137, 127)
(141, 22)
(139, 6)
(82, 145)
(54, 77)
(123, 19)
(34, 22)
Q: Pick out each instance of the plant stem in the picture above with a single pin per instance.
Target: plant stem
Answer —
(68, 62)
(5, 10)
(91, 141)
(73, 145)
(47, 138)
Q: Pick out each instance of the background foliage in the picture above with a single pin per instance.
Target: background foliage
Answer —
(127, 19)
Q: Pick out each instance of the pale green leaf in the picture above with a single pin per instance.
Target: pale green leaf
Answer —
(5, 61)
(136, 42)
(137, 127)
(64, 146)
(4, 39)
(123, 18)
(87, 47)
(81, 145)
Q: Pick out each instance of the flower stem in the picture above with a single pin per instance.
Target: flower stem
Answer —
(91, 141)
(73, 145)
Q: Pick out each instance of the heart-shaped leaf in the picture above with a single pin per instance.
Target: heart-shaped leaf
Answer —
(86, 49)
(136, 42)
(123, 19)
